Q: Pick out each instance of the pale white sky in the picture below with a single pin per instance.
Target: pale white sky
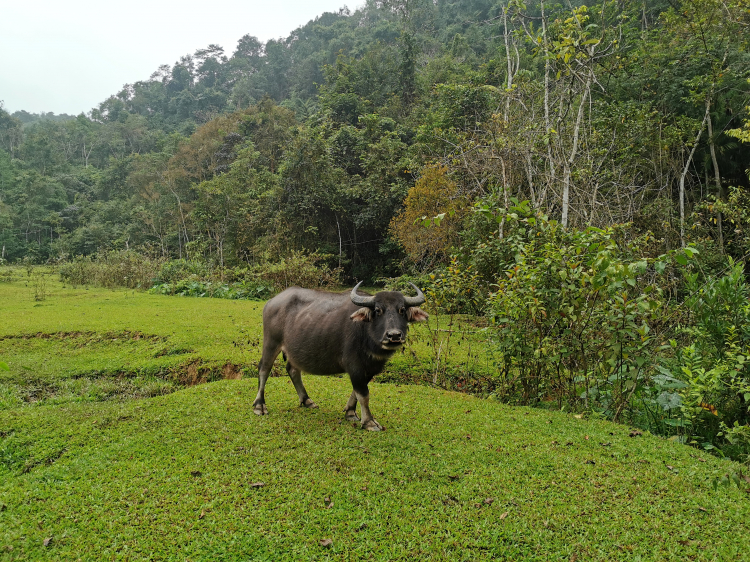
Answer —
(67, 56)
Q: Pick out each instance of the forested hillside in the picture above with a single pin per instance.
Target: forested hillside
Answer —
(338, 137)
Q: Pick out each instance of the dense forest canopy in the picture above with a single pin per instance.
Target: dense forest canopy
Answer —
(339, 138)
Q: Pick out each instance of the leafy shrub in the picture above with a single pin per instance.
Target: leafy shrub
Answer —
(433, 193)
(173, 271)
(197, 288)
(580, 318)
(39, 286)
(457, 289)
(573, 311)
(124, 268)
(8, 274)
(300, 269)
(713, 365)
(260, 281)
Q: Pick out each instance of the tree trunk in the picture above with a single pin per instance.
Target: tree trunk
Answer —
(512, 69)
(717, 177)
(505, 197)
(573, 153)
(547, 126)
(530, 177)
(685, 171)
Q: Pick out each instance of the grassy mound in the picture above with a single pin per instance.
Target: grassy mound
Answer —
(194, 475)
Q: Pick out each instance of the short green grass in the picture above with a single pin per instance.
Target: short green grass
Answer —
(82, 343)
(194, 475)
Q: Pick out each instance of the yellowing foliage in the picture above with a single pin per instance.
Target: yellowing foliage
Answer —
(433, 194)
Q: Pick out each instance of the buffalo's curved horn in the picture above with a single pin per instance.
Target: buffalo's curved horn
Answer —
(361, 300)
(414, 301)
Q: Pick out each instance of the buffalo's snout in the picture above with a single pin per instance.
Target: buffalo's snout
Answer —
(395, 336)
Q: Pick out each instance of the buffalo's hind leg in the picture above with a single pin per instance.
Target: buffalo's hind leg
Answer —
(350, 411)
(270, 352)
(296, 376)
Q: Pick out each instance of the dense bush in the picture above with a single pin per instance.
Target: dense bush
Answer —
(193, 287)
(456, 289)
(300, 269)
(260, 281)
(199, 278)
(124, 268)
(574, 312)
(710, 367)
(173, 271)
(594, 320)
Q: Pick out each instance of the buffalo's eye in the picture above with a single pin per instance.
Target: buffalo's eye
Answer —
(402, 310)
(378, 311)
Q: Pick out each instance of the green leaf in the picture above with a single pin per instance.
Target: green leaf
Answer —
(4, 366)
(681, 259)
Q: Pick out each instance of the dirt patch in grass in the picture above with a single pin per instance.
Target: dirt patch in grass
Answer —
(198, 372)
(65, 366)
(81, 338)
(231, 372)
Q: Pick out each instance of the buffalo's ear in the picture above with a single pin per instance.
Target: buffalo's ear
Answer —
(364, 314)
(414, 314)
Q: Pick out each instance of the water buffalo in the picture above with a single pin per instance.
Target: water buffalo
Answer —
(324, 333)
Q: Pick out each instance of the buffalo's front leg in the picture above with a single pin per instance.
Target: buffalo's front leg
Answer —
(350, 411)
(296, 376)
(368, 422)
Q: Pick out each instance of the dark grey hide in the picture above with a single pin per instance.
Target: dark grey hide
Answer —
(325, 333)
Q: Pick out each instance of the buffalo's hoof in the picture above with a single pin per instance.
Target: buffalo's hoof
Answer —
(308, 404)
(351, 415)
(372, 425)
(260, 409)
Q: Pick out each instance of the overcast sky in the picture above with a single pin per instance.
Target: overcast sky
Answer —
(67, 56)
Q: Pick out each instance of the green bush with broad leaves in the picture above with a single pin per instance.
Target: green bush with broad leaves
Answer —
(574, 311)
(193, 287)
(591, 320)
(260, 281)
(711, 361)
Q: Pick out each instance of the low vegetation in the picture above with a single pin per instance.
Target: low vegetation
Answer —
(195, 475)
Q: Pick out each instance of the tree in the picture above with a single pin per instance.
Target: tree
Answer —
(433, 194)
(10, 132)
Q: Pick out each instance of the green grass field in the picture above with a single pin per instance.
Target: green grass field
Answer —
(107, 453)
